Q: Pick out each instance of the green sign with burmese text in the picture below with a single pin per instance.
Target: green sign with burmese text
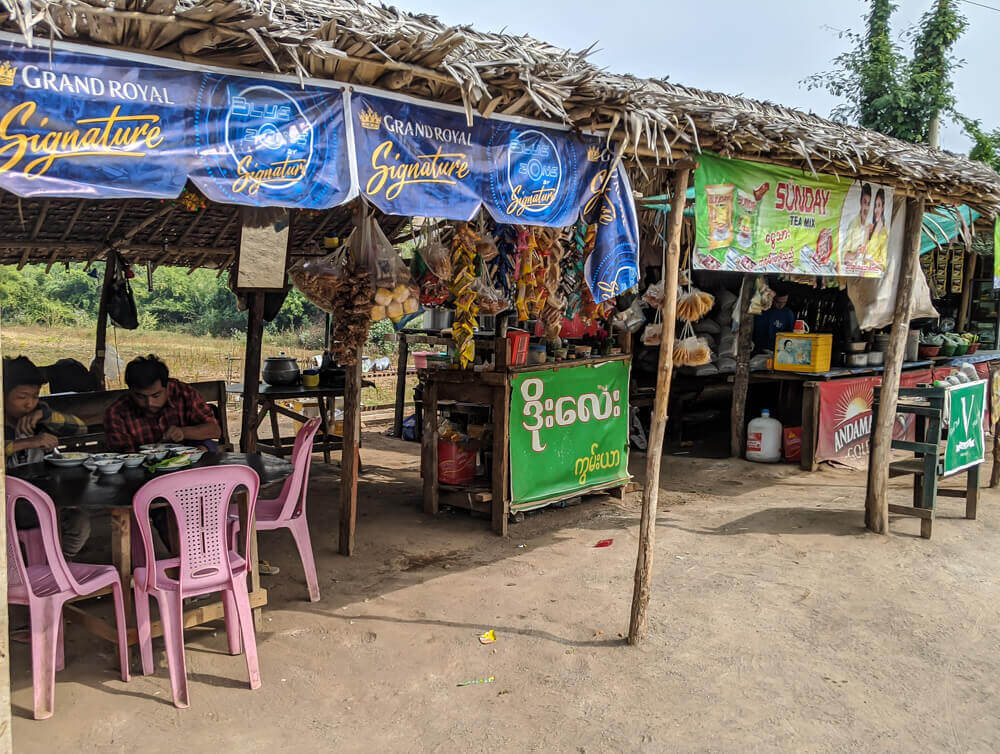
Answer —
(568, 431)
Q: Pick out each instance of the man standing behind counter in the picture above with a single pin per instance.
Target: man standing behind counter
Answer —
(158, 409)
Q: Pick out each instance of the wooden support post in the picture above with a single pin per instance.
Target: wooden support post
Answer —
(251, 371)
(101, 340)
(647, 522)
(968, 276)
(5, 737)
(877, 499)
(404, 354)
(995, 474)
(741, 380)
(349, 456)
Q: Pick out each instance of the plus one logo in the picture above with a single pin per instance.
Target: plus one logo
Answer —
(269, 138)
(534, 173)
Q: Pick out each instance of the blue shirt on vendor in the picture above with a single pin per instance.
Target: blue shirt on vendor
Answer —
(777, 319)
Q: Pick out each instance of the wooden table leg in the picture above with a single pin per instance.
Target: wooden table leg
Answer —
(972, 492)
(121, 555)
(276, 434)
(324, 426)
(404, 353)
(429, 450)
(253, 560)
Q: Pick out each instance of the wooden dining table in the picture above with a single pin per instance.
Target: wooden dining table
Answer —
(77, 487)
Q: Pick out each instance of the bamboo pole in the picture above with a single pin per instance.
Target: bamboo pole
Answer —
(741, 380)
(6, 745)
(877, 499)
(647, 522)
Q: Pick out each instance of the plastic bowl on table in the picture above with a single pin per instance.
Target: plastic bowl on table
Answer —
(194, 454)
(68, 459)
(133, 460)
(947, 349)
(110, 465)
(973, 347)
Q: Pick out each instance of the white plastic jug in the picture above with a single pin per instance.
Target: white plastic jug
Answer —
(764, 439)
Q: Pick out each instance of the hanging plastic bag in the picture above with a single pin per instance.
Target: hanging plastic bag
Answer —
(490, 298)
(396, 295)
(690, 350)
(436, 255)
(319, 280)
(654, 295)
(763, 297)
(693, 304)
(652, 334)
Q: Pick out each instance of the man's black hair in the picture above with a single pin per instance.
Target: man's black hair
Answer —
(866, 190)
(787, 341)
(20, 371)
(146, 371)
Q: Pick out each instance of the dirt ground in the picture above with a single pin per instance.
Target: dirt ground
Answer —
(776, 623)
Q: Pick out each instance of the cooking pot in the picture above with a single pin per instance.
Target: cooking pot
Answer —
(280, 370)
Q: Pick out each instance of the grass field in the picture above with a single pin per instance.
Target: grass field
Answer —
(190, 358)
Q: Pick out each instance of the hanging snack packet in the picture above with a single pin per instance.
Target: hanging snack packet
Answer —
(396, 295)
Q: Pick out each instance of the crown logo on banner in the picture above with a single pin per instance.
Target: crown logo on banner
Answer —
(7, 72)
(370, 119)
(593, 153)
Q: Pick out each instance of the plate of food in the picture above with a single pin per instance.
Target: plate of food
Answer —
(172, 464)
(67, 459)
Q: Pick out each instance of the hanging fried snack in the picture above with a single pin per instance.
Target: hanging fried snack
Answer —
(463, 260)
(694, 304)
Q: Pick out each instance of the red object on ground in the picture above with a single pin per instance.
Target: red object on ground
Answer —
(455, 465)
(793, 443)
(604, 543)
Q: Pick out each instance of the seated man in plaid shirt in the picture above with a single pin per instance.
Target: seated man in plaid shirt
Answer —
(158, 409)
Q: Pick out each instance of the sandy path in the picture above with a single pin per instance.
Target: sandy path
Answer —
(776, 623)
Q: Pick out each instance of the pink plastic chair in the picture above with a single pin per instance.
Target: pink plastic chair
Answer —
(46, 585)
(200, 501)
(288, 511)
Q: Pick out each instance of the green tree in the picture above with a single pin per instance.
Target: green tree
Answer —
(884, 90)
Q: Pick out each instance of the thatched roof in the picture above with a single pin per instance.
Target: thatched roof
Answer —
(353, 41)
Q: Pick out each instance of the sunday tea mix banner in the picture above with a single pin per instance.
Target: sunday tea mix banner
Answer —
(760, 218)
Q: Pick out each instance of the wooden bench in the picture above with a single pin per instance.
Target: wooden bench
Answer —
(90, 407)
(930, 409)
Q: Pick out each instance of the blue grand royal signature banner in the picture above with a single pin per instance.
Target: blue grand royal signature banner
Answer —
(426, 161)
(76, 124)
(73, 124)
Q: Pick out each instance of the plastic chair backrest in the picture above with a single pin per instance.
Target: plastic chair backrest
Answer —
(293, 490)
(200, 501)
(48, 524)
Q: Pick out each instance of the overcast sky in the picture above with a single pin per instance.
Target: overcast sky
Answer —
(758, 48)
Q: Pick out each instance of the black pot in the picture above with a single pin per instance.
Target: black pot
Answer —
(280, 371)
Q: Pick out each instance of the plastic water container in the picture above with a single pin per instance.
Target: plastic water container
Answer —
(764, 439)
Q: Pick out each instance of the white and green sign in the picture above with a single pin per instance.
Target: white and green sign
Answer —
(568, 431)
(758, 218)
(965, 407)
